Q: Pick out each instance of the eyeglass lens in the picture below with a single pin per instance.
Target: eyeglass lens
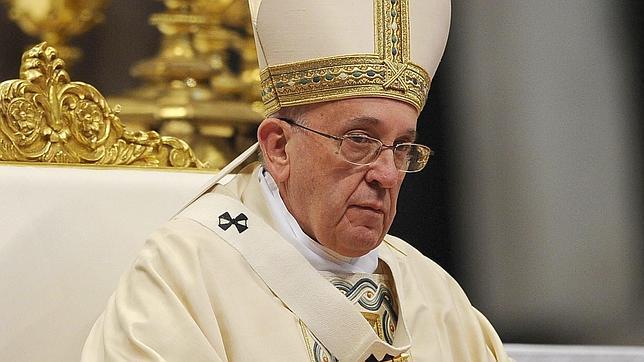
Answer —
(362, 150)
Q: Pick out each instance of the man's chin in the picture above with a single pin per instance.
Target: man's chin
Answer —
(361, 241)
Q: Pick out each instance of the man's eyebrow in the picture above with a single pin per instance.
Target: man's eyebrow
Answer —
(360, 121)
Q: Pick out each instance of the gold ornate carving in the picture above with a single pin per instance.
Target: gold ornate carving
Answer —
(45, 117)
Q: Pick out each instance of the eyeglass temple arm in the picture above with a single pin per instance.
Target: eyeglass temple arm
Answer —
(293, 123)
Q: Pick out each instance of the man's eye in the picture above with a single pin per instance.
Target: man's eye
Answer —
(359, 139)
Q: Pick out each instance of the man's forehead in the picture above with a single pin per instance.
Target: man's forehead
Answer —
(369, 122)
(369, 112)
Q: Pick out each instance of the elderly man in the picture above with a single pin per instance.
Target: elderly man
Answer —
(290, 260)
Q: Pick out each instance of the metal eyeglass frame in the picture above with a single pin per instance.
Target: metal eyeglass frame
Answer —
(377, 154)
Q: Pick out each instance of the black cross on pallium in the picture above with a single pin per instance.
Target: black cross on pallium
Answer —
(240, 222)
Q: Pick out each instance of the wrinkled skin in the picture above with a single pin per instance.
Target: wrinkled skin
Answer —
(345, 207)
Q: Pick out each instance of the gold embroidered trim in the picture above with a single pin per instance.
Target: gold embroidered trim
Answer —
(317, 352)
(389, 73)
(375, 322)
(404, 357)
(342, 77)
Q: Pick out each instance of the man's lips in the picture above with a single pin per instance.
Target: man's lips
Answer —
(370, 207)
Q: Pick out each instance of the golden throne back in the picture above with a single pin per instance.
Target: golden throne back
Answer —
(46, 117)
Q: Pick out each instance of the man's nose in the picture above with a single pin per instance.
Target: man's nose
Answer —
(383, 170)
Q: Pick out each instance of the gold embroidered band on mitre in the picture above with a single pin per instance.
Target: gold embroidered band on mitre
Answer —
(389, 74)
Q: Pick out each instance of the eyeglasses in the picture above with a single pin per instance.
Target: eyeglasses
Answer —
(362, 150)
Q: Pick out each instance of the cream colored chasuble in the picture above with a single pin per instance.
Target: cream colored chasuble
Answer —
(218, 283)
(333, 320)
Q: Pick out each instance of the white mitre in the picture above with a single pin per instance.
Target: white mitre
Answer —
(312, 51)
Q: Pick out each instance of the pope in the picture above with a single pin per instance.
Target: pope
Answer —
(290, 260)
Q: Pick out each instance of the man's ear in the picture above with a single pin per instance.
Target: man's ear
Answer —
(273, 137)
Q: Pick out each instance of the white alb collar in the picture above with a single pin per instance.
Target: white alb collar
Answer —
(322, 258)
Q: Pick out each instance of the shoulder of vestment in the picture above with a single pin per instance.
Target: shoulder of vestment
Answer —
(416, 262)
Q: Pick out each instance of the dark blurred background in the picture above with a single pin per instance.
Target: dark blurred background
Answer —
(534, 198)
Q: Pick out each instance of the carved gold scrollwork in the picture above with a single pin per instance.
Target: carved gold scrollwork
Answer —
(45, 117)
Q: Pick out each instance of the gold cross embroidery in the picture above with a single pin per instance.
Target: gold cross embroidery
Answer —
(392, 40)
(392, 81)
